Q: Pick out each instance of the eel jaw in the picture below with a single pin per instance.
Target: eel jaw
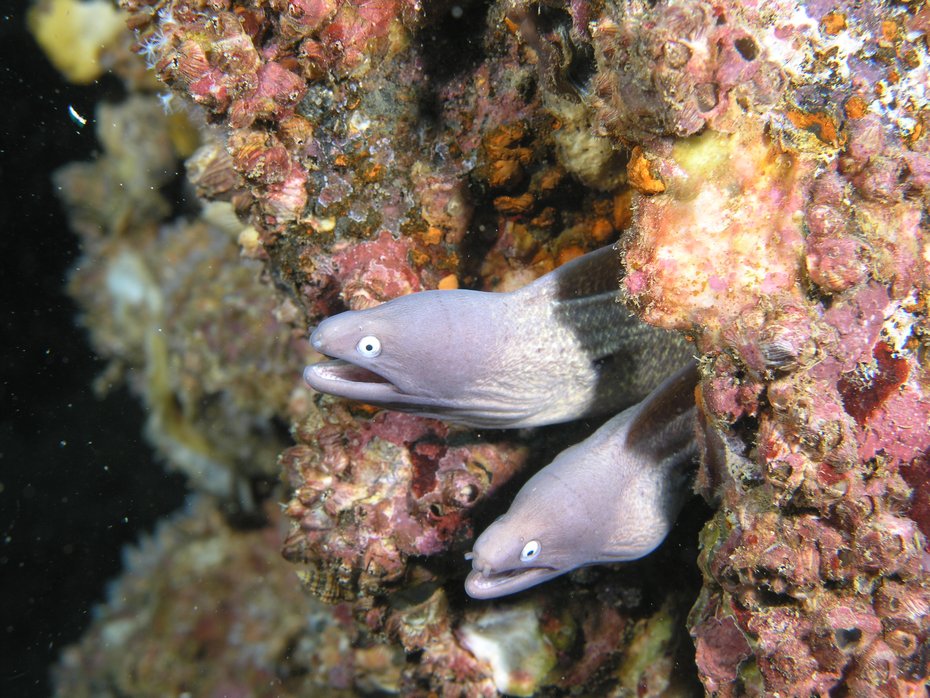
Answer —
(345, 379)
(485, 584)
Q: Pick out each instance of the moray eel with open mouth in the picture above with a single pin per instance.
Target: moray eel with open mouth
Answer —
(611, 498)
(560, 348)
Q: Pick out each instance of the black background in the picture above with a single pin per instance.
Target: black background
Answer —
(77, 480)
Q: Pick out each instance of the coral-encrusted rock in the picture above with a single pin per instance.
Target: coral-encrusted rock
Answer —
(824, 524)
(666, 69)
(769, 164)
(808, 291)
(164, 617)
(698, 259)
(197, 333)
(818, 522)
(369, 495)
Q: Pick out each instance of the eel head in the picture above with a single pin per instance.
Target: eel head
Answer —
(503, 563)
(539, 538)
(418, 353)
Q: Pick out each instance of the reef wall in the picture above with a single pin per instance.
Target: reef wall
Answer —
(765, 167)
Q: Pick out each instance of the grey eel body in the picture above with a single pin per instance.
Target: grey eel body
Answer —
(611, 498)
(560, 348)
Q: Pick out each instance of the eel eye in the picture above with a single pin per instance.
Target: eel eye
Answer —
(369, 346)
(530, 551)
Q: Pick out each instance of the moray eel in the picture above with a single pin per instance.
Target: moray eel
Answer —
(560, 348)
(613, 497)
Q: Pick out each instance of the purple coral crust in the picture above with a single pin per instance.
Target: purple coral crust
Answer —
(823, 514)
(822, 520)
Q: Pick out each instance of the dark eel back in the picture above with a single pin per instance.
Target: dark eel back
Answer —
(631, 357)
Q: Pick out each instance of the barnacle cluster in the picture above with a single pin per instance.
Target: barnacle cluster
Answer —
(767, 166)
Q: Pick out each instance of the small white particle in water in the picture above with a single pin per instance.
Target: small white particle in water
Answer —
(456, 12)
(76, 118)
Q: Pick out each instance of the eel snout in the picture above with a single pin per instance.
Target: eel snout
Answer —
(484, 582)
(339, 370)
(344, 379)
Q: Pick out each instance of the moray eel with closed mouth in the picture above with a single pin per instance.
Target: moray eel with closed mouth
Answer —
(611, 498)
(560, 348)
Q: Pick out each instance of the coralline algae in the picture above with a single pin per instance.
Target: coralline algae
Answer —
(769, 166)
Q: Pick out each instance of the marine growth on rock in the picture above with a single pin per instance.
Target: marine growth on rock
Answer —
(764, 169)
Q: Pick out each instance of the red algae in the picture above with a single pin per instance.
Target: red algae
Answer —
(864, 392)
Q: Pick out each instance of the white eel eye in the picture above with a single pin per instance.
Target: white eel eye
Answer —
(369, 346)
(530, 551)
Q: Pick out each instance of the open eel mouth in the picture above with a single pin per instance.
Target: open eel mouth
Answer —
(481, 584)
(339, 370)
(344, 379)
